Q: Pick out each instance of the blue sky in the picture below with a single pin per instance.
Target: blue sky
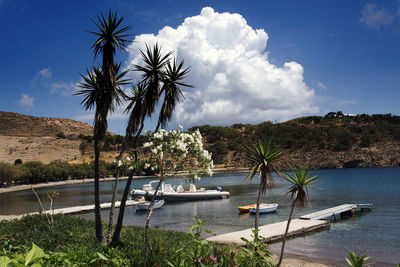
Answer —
(342, 55)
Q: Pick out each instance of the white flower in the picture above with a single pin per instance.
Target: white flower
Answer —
(146, 165)
(147, 144)
(119, 163)
(180, 127)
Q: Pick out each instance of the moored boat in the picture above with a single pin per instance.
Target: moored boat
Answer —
(169, 193)
(246, 208)
(145, 205)
(267, 208)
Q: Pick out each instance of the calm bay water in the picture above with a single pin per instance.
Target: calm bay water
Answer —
(375, 233)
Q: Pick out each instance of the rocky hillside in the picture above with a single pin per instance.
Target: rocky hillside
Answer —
(333, 141)
(15, 124)
(44, 139)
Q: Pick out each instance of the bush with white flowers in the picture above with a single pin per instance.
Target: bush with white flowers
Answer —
(178, 152)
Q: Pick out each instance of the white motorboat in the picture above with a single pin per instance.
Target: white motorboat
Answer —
(266, 208)
(145, 205)
(169, 193)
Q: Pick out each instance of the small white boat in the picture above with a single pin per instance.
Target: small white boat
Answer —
(145, 205)
(266, 208)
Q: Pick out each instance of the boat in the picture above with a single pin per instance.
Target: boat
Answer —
(267, 208)
(145, 205)
(246, 208)
(169, 193)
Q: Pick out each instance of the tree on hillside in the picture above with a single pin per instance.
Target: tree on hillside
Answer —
(101, 89)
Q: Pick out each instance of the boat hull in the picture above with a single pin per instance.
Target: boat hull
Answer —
(265, 208)
(246, 208)
(193, 196)
(145, 206)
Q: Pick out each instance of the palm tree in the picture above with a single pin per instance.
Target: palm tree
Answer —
(109, 37)
(299, 195)
(173, 77)
(152, 75)
(97, 97)
(135, 126)
(262, 156)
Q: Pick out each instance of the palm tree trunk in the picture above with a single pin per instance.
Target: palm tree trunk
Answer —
(97, 214)
(286, 231)
(258, 209)
(135, 140)
(112, 209)
(115, 188)
(157, 127)
(118, 227)
(146, 231)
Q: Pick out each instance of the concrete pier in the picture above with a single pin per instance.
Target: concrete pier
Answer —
(336, 212)
(271, 232)
(72, 210)
(305, 224)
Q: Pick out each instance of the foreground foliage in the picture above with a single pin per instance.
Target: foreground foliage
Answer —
(72, 243)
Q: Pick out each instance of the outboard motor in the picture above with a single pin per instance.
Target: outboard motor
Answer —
(219, 189)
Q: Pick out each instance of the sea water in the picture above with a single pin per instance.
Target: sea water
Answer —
(375, 233)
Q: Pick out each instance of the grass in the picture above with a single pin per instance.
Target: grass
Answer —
(74, 239)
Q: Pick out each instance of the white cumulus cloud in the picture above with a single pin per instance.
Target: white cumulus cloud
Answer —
(26, 101)
(233, 77)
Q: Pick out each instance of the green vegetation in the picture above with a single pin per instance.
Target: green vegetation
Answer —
(72, 242)
(355, 260)
(33, 172)
(333, 132)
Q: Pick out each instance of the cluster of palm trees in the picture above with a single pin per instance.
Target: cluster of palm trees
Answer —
(263, 156)
(161, 79)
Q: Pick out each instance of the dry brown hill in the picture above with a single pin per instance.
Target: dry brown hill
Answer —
(15, 124)
(35, 138)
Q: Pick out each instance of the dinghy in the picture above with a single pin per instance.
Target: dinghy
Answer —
(246, 208)
(264, 208)
(145, 205)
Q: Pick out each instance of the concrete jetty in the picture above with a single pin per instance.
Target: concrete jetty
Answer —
(305, 224)
(72, 210)
(336, 212)
(271, 232)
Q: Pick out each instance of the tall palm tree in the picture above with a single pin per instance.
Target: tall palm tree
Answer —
(262, 156)
(299, 181)
(173, 78)
(109, 37)
(103, 101)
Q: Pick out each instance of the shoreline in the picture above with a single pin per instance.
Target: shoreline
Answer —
(91, 180)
